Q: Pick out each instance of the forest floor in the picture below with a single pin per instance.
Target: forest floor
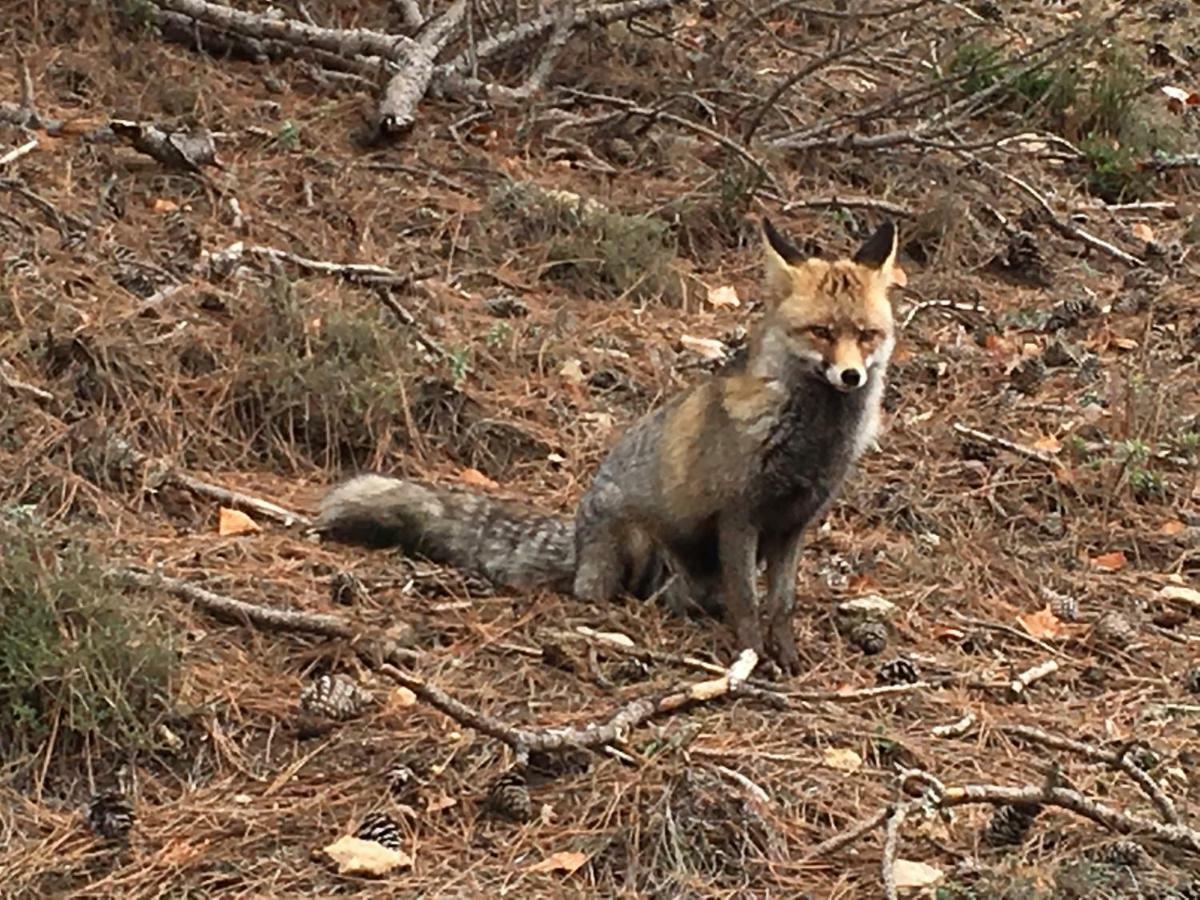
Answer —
(1032, 510)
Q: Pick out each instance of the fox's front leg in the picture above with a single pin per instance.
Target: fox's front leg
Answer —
(738, 554)
(783, 559)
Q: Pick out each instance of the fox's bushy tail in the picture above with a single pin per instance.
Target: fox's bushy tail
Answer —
(507, 543)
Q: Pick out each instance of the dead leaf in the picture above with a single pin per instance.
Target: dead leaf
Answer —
(842, 758)
(233, 521)
(438, 803)
(355, 856)
(1172, 528)
(1041, 624)
(910, 874)
(566, 861)
(724, 297)
(403, 697)
(1142, 232)
(1178, 98)
(1124, 343)
(1110, 562)
(1047, 444)
(572, 371)
(475, 478)
(163, 205)
(707, 348)
(1183, 594)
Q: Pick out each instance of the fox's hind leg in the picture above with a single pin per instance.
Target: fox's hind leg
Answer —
(600, 557)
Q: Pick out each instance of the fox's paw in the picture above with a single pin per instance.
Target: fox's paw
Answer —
(749, 637)
(781, 644)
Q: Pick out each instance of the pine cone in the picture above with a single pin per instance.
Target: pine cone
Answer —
(1010, 825)
(1028, 375)
(110, 815)
(1070, 313)
(899, 671)
(1064, 607)
(1116, 629)
(403, 783)
(631, 670)
(1126, 853)
(509, 796)
(380, 828)
(336, 697)
(1191, 680)
(871, 637)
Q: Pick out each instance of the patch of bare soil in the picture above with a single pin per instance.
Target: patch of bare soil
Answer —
(256, 251)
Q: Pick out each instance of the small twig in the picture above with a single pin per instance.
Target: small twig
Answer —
(891, 842)
(17, 152)
(923, 305)
(1023, 680)
(1109, 758)
(883, 206)
(1004, 444)
(17, 384)
(849, 836)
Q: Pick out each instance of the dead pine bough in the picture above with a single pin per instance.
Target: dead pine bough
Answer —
(383, 654)
(414, 67)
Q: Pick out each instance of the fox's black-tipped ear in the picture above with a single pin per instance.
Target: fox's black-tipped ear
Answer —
(786, 249)
(879, 250)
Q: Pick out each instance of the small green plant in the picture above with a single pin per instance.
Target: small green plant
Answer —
(460, 364)
(288, 136)
(77, 655)
(1146, 485)
(498, 335)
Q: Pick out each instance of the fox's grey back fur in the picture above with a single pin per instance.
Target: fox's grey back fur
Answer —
(505, 542)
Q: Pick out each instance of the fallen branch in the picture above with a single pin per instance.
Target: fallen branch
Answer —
(347, 41)
(1115, 760)
(1064, 227)
(1004, 444)
(223, 261)
(406, 88)
(385, 655)
(268, 618)
(882, 206)
(1072, 801)
(230, 498)
(525, 741)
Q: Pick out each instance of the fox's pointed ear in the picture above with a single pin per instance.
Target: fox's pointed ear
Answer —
(879, 250)
(781, 256)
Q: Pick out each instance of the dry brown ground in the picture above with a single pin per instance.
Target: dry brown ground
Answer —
(277, 382)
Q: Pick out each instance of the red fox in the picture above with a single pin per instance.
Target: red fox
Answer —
(696, 494)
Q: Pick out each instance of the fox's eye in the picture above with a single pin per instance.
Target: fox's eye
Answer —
(867, 335)
(821, 332)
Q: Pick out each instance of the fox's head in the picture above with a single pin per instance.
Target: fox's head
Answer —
(831, 319)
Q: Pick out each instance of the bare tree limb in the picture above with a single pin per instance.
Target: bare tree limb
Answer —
(406, 89)
(348, 41)
(1115, 760)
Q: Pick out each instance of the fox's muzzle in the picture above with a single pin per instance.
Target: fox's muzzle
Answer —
(846, 378)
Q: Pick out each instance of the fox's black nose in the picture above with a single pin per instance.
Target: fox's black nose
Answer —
(851, 377)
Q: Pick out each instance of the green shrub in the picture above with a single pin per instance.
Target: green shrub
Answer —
(77, 659)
